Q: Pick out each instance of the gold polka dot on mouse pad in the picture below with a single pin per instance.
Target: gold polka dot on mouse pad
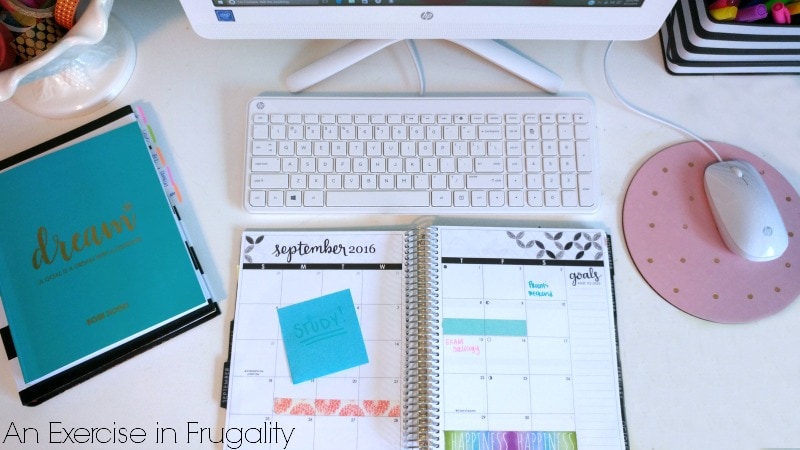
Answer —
(672, 239)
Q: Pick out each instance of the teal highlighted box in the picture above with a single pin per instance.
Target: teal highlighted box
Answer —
(485, 327)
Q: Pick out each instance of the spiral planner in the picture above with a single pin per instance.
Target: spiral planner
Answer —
(474, 338)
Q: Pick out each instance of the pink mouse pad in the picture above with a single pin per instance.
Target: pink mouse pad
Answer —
(672, 239)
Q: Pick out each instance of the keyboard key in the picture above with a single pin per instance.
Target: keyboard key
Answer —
(489, 165)
(569, 181)
(490, 132)
(293, 198)
(274, 199)
(552, 198)
(514, 132)
(361, 165)
(258, 198)
(516, 199)
(421, 182)
(277, 132)
(352, 181)
(566, 132)
(265, 165)
(585, 191)
(325, 165)
(549, 132)
(369, 181)
(316, 181)
(312, 198)
(333, 182)
(403, 181)
(386, 182)
(485, 181)
(297, 181)
(535, 181)
(260, 132)
(478, 198)
(441, 198)
(277, 181)
(265, 148)
(516, 181)
(497, 198)
(535, 198)
(569, 198)
(313, 132)
(461, 198)
(373, 199)
(584, 156)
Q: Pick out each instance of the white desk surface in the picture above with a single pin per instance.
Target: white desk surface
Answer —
(689, 384)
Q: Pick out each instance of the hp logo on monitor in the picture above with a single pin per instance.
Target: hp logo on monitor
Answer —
(427, 15)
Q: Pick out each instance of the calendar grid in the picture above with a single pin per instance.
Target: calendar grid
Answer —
(357, 408)
(512, 364)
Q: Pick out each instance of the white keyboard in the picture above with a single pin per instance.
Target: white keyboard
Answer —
(421, 155)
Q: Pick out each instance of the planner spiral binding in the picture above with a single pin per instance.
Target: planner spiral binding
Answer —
(421, 411)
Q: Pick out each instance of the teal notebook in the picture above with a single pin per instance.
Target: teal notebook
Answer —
(92, 256)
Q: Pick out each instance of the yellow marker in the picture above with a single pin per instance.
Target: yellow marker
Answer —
(723, 14)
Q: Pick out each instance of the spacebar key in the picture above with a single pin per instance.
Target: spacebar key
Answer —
(376, 198)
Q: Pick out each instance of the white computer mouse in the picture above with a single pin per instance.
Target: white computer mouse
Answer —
(745, 212)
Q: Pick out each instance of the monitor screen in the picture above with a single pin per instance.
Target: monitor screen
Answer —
(427, 19)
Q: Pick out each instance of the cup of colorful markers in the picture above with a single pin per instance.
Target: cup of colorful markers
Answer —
(779, 12)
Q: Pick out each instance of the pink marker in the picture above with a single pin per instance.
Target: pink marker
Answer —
(780, 13)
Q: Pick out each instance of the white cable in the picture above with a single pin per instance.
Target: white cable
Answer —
(412, 48)
(649, 115)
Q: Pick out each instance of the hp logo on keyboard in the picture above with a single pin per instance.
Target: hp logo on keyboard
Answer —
(427, 15)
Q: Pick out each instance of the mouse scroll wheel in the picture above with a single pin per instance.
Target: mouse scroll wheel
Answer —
(737, 171)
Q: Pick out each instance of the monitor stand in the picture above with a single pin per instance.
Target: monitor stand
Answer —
(490, 50)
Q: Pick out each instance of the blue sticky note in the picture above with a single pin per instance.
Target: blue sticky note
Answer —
(322, 336)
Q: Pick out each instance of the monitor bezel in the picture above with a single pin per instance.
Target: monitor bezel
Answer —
(429, 22)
